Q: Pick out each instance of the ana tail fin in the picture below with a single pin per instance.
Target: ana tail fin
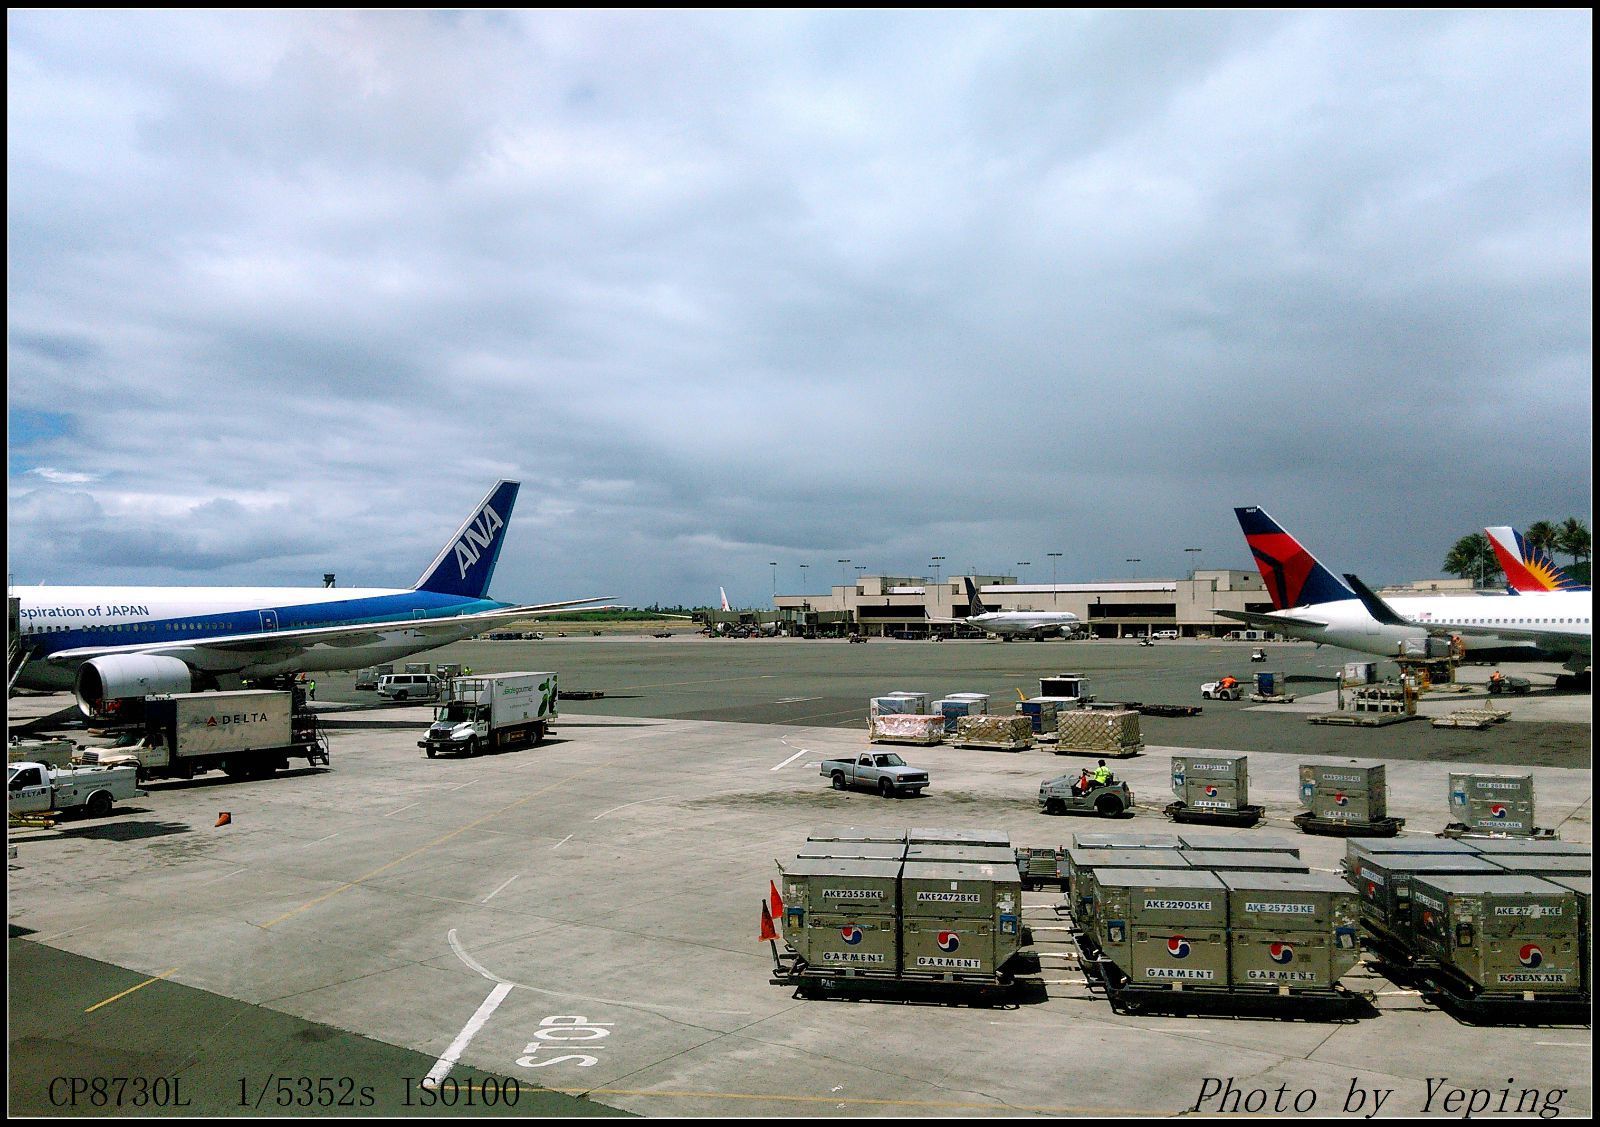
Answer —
(1294, 577)
(465, 565)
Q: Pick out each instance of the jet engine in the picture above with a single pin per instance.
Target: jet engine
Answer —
(120, 676)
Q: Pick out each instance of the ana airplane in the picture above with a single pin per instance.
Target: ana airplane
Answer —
(1310, 602)
(1007, 624)
(114, 642)
(1528, 567)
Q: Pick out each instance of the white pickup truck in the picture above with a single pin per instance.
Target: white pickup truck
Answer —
(33, 788)
(882, 771)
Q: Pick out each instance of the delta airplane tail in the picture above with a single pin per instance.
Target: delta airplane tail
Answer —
(1294, 577)
(1527, 566)
(465, 565)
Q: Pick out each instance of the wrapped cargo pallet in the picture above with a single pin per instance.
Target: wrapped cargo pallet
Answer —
(899, 728)
(1002, 733)
(1113, 732)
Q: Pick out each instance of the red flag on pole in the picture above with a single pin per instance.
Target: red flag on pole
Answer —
(775, 901)
(223, 819)
(768, 932)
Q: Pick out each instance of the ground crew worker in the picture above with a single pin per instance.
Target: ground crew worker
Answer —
(1102, 774)
(1495, 681)
(311, 690)
(1229, 681)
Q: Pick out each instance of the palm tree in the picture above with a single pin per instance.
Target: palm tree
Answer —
(1573, 538)
(1472, 557)
(1543, 534)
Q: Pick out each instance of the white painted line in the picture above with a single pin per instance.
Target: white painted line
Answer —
(562, 842)
(468, 783)
(402, 810)
(791, 759)
(1563, 1044)
(224, 876)
(794, 700)
(320, 840)
(497, 891)
(614, 809)
(444, 1064)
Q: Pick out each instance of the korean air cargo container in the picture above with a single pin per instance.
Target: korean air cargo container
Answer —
(1509, 934)
(1348, 791)
(1384, 885)
(1492, 804)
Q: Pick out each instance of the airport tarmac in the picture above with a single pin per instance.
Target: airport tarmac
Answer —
(583, 916)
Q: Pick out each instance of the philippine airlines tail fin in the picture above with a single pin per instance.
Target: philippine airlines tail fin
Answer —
(1528, 567)
(465, 565)
(723, 591)
(974, 603)
(1293, 575)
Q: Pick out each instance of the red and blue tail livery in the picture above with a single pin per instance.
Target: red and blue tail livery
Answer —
(1528, 567)
(1293, 576)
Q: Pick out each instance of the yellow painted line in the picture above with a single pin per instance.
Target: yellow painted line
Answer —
(130, 990)
(424, 848)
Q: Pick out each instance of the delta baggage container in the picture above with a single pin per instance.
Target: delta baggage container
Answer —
(1499, 804)
(1511, 934)
(1112, 732)
(1297, 960)
(1384, 885)
(1291, 902)
(1065, 686)
(941, 853)
(853, 850)
(939, 835)
(1040, 714)
(814, 885)
(1002, 733)
(1218, 860)
(1352, 791)
(1535, 865)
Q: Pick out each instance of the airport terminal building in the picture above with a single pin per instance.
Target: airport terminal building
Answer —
(897, 606)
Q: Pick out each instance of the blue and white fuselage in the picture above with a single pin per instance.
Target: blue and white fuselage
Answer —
(110, 641)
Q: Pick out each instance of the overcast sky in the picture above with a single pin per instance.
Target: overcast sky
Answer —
(288, 291)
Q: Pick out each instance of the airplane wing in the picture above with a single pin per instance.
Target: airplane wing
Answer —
(223, 654)
(1274, 620)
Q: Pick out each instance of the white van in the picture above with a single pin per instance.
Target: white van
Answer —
(410, 686)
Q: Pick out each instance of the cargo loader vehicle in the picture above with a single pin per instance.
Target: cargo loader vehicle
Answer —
(248, 734)
(882, 771)
(494, 712)
(34, 789)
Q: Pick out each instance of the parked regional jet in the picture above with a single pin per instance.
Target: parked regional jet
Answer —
(1528, 567)
(1007, 624)
(110, 642)
(1310, 602)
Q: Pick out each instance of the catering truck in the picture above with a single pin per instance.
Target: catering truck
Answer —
(247, 734)
(492, 712)
(34, 788)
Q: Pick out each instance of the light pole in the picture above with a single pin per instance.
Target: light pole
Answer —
(774, 565)
(803, 578)
(1055, 558)
(1196, 561)
(842, 564)
(937, 560)
(1133, 560)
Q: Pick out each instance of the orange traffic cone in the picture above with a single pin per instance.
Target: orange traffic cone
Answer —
(768, 932)
(775, 901)
(223, 819)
